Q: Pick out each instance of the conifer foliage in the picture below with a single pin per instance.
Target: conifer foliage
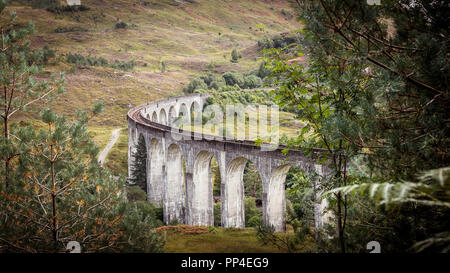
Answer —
(139, 166)
(52, 190)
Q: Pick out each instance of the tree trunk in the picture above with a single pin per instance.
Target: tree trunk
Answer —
(55, 216)
(340, 226)
(6, 133)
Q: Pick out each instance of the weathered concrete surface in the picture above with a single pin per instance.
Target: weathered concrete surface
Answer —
(187, 193)
(155, 165)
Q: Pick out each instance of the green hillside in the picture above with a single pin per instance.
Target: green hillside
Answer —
(190, 37)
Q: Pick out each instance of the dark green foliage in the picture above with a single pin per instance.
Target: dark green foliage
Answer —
(62, 9)
(300, 197)
(217, 179)
(44, 55)
(231, 95)
(254, 221)
(252, 81)
(217, 214)
(89, 60)
(250, 209)
(280, 40)
(195, 84)
(174, 222)
(70, 29)
(233, 78)
(159, 214)
(287, 14)
(121, 25)
(235, 56)
(135, 193)
(79, 59)
(54, 191)
(228, 81)
(138, 223)
(139, 165)
(90, 208)
(252, 182)
(263, 71)
(125, 66)
(376, 83)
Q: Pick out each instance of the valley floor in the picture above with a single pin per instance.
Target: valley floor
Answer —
(190, 239)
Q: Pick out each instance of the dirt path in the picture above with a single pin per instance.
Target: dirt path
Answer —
(114, 137)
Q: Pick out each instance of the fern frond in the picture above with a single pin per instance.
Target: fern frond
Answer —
(387, 192)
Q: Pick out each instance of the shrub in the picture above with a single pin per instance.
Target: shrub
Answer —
(263, 71)
(250, 209)
(121, 25)
(61, 9)
(252, 81)
(255, 221)
(212, 230)
(174, 222)
(46, 54)
(235, 56)
(137, 226)
(278, 41)
(70, 29)
(125, 66)
(208, 78)
(218, 214)
(135, 193)
(233, 78)
(159, 213)
(217, 84)
(81, 60)
(196, 83)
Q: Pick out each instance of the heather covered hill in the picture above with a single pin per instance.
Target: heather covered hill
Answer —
(128, 52)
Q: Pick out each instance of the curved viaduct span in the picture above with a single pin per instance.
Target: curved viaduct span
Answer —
(186, 192)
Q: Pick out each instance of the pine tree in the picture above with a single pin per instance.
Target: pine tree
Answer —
(56, 192)
(139, 166)
(376, 84)
(20, 90)
(61, 194)
(234, 56)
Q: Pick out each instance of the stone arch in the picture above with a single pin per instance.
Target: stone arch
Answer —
(174, 202)
(233, 203)
(201, 192)
(275, 203)
(155, 173)
(172, 115)
(154, 116)
(183, 119)
(195, 109)
(183, 110)
(195, 112)
(163, 117)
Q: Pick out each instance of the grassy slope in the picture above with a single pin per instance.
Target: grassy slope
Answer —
(186, 36)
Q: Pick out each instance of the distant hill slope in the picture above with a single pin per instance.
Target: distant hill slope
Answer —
(191, 37)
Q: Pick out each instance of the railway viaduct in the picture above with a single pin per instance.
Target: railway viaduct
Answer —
(179, 167)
